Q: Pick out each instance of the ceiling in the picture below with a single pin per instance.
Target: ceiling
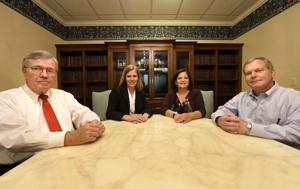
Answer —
(149, 12)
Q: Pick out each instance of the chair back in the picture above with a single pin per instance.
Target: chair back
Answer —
(208, 97)
(100, 103)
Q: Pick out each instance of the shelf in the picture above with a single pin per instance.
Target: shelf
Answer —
(218, 67)
(96, 75)
(97, 66)
(204, 80)
(82, 67)
(204, 65)
(71, 67)
(206, 86)
(227, 73)
(161, 70)
(204, 57)
(227, 80)
(95, 82)
(70, 59)
(71, 82)
(228, 65)
(95, 57)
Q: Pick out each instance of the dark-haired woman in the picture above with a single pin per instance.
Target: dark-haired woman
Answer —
(184, 103)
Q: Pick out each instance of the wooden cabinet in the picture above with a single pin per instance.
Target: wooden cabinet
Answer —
(87, 68)
(217, 67)
(82, 70)
(155, 64)
(184, 56)
(118, 58)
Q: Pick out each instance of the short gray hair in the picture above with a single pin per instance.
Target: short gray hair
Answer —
(267, 62)
(39, 54)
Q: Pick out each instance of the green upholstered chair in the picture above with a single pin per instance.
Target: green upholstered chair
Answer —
(100, 102)
(208, 97)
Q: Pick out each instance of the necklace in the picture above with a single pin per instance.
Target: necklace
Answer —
(181, 96)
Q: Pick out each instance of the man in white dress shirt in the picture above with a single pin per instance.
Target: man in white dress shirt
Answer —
(23, 127)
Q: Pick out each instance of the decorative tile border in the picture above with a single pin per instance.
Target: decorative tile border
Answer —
(30, 10)
(263, 13)
(148, 32)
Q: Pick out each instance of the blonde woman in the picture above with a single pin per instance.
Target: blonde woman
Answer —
(127, 102)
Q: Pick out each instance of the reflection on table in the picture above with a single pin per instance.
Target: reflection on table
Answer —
(162, 154)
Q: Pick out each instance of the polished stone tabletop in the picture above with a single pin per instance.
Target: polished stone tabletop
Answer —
(162, 154)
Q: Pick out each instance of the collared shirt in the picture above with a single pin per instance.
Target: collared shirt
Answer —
(131, 102)
(23, 129)
(274, 114)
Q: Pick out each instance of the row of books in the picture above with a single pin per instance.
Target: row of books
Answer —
(210, 59)
(97, 75)
(71, 76)
(71, 61)
(76, 90)
(204, 59)
(78, 60)
(96, 60)
(204, 74)
(227, 74)
(227, 59)
(76, 76)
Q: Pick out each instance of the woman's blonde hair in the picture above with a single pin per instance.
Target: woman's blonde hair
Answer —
(128, 68)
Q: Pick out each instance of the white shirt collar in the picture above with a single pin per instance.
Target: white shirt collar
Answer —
(33, 95)
(131, 102)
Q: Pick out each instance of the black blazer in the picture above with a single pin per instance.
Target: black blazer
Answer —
(118, 103)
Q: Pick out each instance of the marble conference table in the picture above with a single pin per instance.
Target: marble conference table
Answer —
(162, 154)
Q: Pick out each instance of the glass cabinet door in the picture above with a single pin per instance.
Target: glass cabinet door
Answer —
(154, 65)
(119, 62)
(160, 67)
(118, 58)
(141, 59)
(182, 59)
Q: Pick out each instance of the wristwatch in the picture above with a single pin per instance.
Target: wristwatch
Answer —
(249, 127)
(174, 113)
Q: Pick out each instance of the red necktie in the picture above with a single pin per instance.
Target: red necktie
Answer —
(49, 114)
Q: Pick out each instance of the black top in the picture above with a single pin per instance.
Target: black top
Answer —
(193, 102)
(118, 103)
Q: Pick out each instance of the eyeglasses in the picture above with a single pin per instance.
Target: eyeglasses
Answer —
(39, 70)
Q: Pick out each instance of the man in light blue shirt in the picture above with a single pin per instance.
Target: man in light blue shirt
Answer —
(267, 110)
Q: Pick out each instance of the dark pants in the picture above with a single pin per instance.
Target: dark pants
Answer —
(5, 168)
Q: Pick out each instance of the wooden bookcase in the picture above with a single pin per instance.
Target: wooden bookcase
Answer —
(82, 70)
(118, 58)
(87, 68)
(183, 54)
(217, 67)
